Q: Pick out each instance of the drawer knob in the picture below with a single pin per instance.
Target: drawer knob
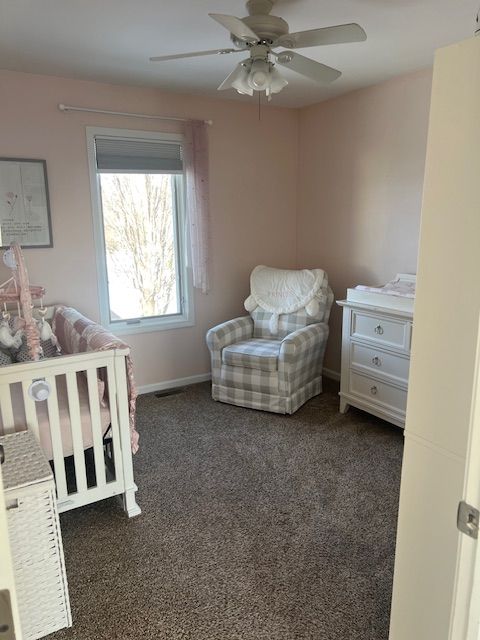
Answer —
(376, 361)
(373, 390)
(379, 329)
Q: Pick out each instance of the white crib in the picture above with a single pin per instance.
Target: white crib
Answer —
(85, 472)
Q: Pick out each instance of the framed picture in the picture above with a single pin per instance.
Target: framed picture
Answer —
(24, 203)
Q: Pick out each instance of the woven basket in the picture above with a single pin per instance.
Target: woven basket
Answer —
(35, 538)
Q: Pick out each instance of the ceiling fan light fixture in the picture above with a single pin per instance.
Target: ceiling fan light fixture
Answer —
(242, 88)
(259, 75)
(277, 81)
(238, 80)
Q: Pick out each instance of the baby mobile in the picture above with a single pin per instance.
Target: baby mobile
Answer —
(23, 327)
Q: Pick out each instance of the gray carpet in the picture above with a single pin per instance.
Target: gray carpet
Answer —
(254, 527)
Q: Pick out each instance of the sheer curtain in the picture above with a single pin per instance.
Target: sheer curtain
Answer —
(197, 184)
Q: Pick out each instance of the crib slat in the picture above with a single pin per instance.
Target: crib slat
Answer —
(76, 426)
(30, 410)
(7, 409)
(112, 400)
(56, 438)
(97, 434)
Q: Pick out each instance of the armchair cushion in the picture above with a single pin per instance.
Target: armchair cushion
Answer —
(286, 323)
(290, 322)
(253, 354)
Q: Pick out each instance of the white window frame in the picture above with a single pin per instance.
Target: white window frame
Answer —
(185, 289)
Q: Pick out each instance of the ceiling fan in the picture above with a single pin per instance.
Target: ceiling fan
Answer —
(259, 34)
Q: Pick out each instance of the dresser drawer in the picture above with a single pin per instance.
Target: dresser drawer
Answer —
(381, 330)
(380, 363)
(380, 393)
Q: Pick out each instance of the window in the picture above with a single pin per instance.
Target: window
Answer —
(138, 203)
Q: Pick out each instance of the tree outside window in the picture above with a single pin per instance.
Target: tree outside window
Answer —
(140, 243)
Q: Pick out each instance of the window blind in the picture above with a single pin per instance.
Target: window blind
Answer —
(117, 155)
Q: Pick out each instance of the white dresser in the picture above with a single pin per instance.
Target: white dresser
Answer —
(376, 338)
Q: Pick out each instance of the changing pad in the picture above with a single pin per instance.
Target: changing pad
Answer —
(398, 294)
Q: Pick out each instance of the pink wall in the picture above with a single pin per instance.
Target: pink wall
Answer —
(360, 181)
(253, 198)
(336, 185)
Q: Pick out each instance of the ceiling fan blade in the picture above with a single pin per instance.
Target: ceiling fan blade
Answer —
(316, 71)
(339, 34)
(236, 26)
(194, 54)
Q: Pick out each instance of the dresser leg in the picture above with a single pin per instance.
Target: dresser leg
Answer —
(344, 406)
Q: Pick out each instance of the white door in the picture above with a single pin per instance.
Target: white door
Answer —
(433, 563)
(465, 622)
(473, 613)
(9, 620)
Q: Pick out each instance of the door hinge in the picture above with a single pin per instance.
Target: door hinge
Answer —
(468, 519)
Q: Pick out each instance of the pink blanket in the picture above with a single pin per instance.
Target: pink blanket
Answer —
(77, 334)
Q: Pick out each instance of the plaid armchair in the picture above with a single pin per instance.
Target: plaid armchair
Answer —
(278, 373)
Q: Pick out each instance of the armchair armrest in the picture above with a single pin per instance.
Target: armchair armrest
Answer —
(229, 332)
(301, 357)
(302, 341)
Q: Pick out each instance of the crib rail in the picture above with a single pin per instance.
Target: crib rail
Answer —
(100, 470)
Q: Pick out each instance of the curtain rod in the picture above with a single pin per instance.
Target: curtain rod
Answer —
(67, 107)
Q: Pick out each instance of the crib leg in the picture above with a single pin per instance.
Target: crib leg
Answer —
(129, 503)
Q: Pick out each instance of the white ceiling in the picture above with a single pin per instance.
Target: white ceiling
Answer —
(111, 40)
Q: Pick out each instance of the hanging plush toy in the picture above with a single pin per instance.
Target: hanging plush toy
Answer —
(44, 328)
(22, 333)
(7, 338)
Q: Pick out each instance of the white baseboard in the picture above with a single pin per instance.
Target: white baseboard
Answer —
(173, 384)
(203, 377)
(333, 375)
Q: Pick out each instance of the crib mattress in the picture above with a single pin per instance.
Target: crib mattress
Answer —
(64, 415)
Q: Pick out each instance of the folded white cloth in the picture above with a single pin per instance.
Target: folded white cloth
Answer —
(285, 291)
(403, 288)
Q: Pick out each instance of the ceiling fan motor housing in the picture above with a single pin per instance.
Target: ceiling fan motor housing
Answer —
(267, 27)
